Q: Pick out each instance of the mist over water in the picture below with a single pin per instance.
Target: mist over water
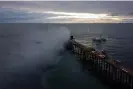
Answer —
(30, 56)
(25, 53)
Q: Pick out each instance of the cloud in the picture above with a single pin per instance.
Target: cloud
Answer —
(90, 17)
(130, 14)
(8, 15)
(62, 12)
(31, 16)
(75, 6)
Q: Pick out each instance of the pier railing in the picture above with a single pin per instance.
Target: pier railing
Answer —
(110, 69)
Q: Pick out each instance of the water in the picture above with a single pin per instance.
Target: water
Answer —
(119, 37)
(26, 51)
(31, 56)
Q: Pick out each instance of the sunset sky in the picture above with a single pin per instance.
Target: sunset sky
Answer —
(66, 11)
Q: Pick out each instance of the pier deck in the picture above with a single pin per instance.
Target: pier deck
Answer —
(71, 74)
(112, 71)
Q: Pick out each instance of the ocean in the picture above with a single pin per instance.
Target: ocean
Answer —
(31, 56)
(119, 38)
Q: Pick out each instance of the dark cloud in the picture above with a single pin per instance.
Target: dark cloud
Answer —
(120, 7)
(12, 11)
(10, 15)
(131, 13)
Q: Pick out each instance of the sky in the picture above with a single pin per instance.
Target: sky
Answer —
(66, 12)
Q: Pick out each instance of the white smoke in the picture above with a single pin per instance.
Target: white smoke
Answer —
(26, 51)
(37, 47)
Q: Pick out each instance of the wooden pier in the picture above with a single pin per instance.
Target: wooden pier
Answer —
(111, 70)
